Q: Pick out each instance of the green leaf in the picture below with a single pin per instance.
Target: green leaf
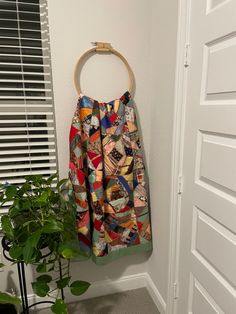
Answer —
(25, 187)
(42, 267)
(61, 182)
(21, 235)
(52, 245)
(43, 198)
(7, 227)
(37, 256)
(79, 287)
(52, 226)
(40, 288)
(59, 307)
(29, 178)
(68, 250)
(16, 252)
(62, 283)
(1, 265)
(11, 192)
(14, 208)
(36, 180)
(27, 223)
(45, 278)
(28, 252)
(51, 178)
(25, 204)
(34, 238)
(68, 253)
(6, 298)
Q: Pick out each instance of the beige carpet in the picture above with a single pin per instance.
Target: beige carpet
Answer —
(130, 302)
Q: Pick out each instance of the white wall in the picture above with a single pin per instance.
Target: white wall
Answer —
(163, 59)
(73, 25)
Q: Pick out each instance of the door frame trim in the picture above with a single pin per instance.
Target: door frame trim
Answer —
(181, 75)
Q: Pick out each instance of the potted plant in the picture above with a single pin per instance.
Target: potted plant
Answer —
(40, 229)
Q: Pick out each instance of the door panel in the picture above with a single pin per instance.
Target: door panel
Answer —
(208, 231)
(221, 72)
(207, 274)
(202, 302)
(211, 4)
(217, 164)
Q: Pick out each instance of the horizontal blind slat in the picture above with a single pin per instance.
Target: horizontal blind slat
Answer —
(35, 33)
(23, 38)
(21, 20)
(25, 81)
(25, 72)
(26, 173)
(27, 143)
(2, 212)
(38, 105)
(22, 55)
(25, 89)
(23, 47)
(25, 64)
(24, 113)
(30, 166)
(4, 137)
(26, 151)
(31, 158)
(20, 11)
(28, 129)
(25, 3)
(22, 97)
(26, 121)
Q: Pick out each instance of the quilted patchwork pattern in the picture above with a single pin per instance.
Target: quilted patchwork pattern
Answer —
(108, 179)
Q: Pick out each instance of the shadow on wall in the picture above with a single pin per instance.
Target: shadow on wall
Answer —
(144, 157)
(11, 285)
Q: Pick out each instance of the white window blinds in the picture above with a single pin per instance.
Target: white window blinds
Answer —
(27, 128)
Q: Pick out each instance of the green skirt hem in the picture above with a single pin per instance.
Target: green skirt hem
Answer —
(113, 255)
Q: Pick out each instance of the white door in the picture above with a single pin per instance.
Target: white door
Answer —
(207, 274)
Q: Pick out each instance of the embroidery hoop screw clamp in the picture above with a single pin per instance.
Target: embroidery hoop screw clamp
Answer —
(102, 46)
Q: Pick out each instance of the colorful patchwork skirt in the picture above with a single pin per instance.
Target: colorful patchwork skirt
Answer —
(108, 179)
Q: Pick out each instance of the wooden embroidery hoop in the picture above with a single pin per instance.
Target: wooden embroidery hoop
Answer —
(101, 47)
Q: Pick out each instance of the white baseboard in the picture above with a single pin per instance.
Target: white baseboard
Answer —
(106, 287)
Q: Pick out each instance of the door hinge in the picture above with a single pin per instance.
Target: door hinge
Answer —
(187, 55)
(180, 184)
(175, 291)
